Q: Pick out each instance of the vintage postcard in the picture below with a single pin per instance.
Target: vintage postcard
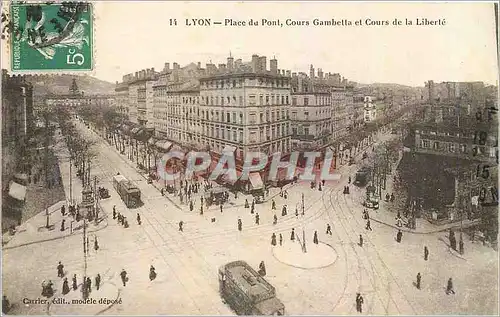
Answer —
(249, 158)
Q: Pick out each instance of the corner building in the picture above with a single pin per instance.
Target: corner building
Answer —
(245, 108)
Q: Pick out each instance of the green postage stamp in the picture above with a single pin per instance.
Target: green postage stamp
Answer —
(51, 37)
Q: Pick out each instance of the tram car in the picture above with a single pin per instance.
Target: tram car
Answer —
(246, 292)
(129, 193)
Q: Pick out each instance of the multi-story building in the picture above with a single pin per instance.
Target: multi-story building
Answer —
(245, 107)
(310, 113)
(370, 109)
(458, 141)
(140, 96)
(122, 98)
(357, 112)
(17, 127)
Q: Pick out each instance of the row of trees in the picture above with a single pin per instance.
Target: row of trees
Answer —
(80, 149)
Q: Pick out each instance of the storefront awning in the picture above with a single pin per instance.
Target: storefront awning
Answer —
(256, 181)
(177, 148)
(17, 191)
(163, 145)
(229, 149)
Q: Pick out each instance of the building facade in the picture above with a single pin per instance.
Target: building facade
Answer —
(370, 109)
(310, 113)
(245, 108)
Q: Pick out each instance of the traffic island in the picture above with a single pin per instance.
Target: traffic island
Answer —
(316, 256)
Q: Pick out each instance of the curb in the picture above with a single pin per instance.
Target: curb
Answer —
(51, 239)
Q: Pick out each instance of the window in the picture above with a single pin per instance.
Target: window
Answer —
(424, 144)
(267, 99)
(228, 117)
(234, 117)
(451, 147)
(261, 100)
(294, 131)
(241, 136)
(234, 136)
(306, 130)
(294, 101)
(252, 118)
(261, 117)
(435, 145)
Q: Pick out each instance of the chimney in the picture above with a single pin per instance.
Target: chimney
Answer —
(176, 66)
(294, 74)
(273, 66)
(263, 64)
(311, 72)
(152, 70)
(222, 67)
(199, 65)
(166, 67)
(283, 72)
(288, 73)
(230, 63)
(255, 63)
(320, 73)
(136, 75)
(299, 84)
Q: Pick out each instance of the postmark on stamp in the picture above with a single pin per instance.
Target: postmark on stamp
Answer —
(51, 37)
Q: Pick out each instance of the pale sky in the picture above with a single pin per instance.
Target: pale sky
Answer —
(133, 35)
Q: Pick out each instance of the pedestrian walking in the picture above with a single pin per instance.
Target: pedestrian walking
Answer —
(89, 285)
(349, 179)
(257, 219)
(62, 225)
(359, 303)
(246, 203)
(75, 285)
(453, 240)
(152, 273)
(114, 212)
(315, 238)
(419, 279)
(292, 235)
(98, 281)
(65, 288)
(273, 239)
(275, 219)
(368, 226)
(201, 209)
(60, 270)
(328, 229)
(296, 212)
(123, 275)
(191, 206)
(273, 205)
(221, 208)
(96, 244)
(138, 219)
(399, 235)
(262, 269)
(360, 240)
(63, 210)
(181, 223)
(240, 224)
(426, 253)
(449, 287)
(281, 240)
